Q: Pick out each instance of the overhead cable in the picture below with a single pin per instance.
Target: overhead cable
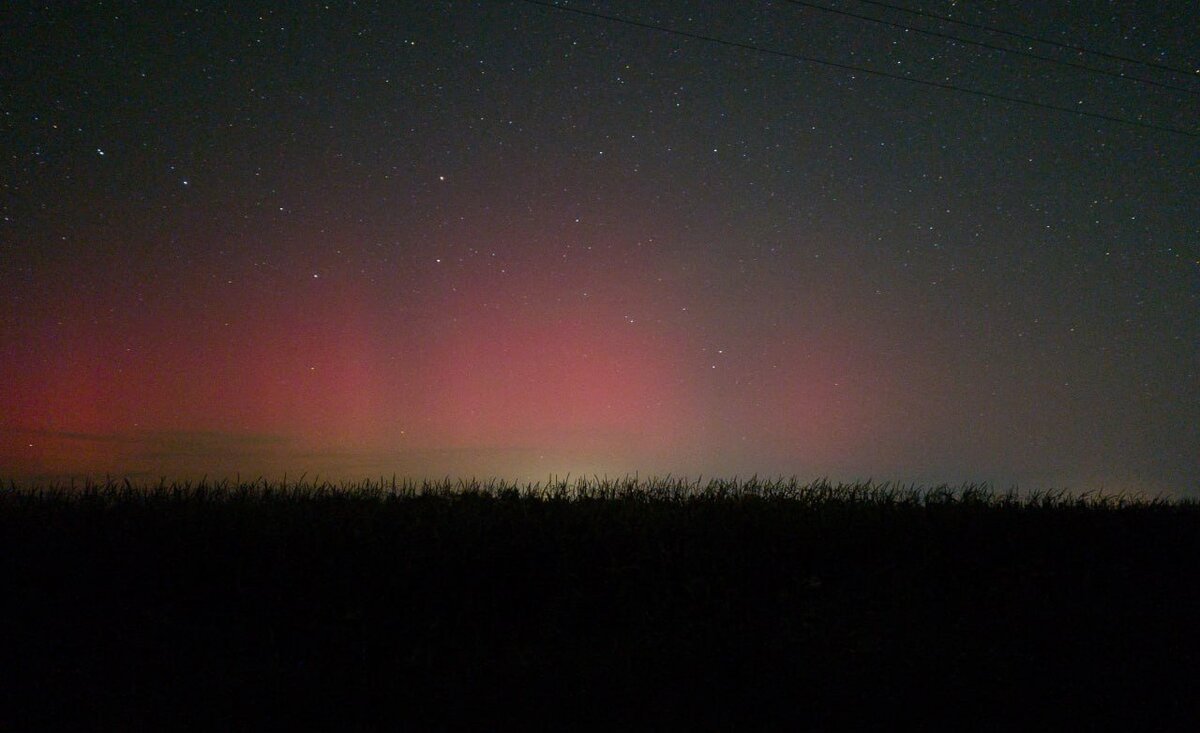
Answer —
(1018, 52)
(1194, 74)
(857, 69)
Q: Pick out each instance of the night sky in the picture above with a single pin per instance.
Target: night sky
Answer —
(489, 238)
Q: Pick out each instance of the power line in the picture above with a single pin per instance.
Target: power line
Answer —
(1018, 52)
(859, 69)
(990, 29)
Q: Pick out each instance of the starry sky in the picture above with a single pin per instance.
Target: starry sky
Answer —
(490, 238)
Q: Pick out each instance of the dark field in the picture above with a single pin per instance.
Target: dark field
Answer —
(660, 604)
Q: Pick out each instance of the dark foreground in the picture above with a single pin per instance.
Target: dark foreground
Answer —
(244, 608)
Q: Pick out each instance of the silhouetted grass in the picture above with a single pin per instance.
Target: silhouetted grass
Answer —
(662, 601)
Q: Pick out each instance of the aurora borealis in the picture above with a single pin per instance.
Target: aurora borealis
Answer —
(495, 239)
